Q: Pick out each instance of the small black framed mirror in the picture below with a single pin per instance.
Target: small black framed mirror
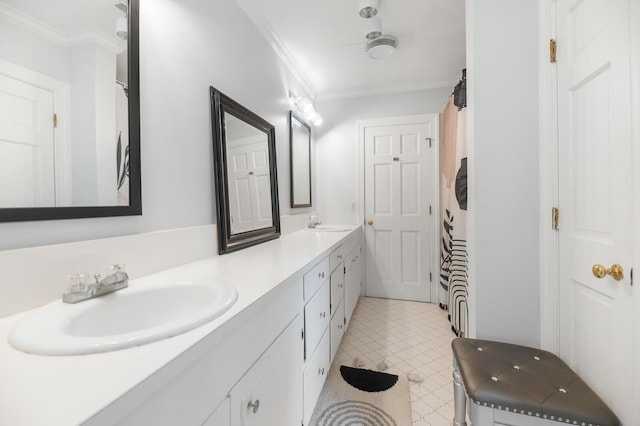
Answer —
(71, 147)
(246, 184)
(300, 155)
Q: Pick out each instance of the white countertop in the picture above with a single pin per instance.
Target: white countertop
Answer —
(66, 390)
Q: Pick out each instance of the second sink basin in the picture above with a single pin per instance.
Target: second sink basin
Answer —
(134, 316)
(331, 228)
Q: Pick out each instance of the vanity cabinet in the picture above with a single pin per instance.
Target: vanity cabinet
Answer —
(265, 366)
(270, 393)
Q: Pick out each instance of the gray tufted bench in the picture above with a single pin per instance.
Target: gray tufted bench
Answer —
(517, 385)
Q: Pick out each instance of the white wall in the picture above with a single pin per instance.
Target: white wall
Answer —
(502, 63)
(336, 145)
(185, 47)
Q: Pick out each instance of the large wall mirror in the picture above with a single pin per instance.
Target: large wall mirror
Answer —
(244, 154)
(69, 109)
(300, 150)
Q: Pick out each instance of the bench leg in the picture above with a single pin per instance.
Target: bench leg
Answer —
(459, 399)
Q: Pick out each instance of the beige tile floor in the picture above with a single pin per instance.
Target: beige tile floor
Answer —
(413, 339)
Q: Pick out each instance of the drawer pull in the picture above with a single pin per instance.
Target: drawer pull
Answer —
(339, 257)
(323, 314)
(320, 274)
(253, 406)
(340, 327)
(339, 285)
(320, 371)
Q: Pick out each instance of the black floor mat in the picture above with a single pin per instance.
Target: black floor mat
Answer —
(368, 380)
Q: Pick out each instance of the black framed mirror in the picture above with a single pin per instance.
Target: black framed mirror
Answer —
(300, 161)
(246, 184)
(75, 150)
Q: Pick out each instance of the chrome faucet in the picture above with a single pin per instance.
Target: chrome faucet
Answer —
(79, 290)
(313, 221)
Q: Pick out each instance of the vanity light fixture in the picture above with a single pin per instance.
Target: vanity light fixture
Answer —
(304, 108)
(121, 28)
(123, 6)
(368, 8)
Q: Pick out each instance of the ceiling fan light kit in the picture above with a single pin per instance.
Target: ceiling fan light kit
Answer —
(381, 47)
(377, 46)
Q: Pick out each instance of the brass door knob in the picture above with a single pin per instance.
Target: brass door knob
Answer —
(370, 222)
(616, 271)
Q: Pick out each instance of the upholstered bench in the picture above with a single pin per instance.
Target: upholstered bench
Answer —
(517, 385)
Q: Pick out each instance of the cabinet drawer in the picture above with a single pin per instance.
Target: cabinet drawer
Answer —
(315, 374)
(316, 319)
(337, 329)
(337, 288)
(314, 279)
(336, 257)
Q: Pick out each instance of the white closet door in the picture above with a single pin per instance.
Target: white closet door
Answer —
(26, 145)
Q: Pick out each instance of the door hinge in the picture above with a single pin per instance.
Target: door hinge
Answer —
(555, 217)
(302, 334)
(429, 209)
(55, 120)
(345, 270)
(345, 320)
(428, 139)
(553, 47)
(430, 277)
(631, 276)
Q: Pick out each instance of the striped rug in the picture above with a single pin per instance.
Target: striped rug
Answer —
(341, 404)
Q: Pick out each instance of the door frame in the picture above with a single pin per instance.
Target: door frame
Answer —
(434, 190)
(549, 184)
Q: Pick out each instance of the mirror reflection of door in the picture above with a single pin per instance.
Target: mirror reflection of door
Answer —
(248, 176)
(84, 162)
(300, 163)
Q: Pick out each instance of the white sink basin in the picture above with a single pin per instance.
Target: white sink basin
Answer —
(133, 316)
(331, 228)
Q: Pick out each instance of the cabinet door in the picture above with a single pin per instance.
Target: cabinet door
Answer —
(337, 287)
(316, 319)
(353, 275)
(337, 329)
(270, 393)
(315, 374)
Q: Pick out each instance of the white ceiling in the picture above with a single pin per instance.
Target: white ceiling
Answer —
(322, 41)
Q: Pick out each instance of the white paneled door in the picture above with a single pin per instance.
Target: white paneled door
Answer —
(596, 197)
(26, 145)
(249, 185)
(397, 200)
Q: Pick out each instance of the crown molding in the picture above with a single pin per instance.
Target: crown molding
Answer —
(377, 91)
(277, 45)
(33, 25)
